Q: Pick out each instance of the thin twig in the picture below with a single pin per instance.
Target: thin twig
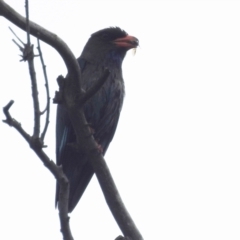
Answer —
(111, 194)
(13, 123)
(16, 36)
(63, 209)
(47, 37)
(47, 109)
(35, 142)
(36, 146)
(30, 58)
(122, 238)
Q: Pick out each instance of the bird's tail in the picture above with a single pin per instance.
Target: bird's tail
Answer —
(79, 174)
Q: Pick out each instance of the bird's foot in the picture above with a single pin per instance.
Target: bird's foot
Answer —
(92, 131)
(99, 147)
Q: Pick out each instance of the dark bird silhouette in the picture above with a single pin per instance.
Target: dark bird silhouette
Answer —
(104, 49)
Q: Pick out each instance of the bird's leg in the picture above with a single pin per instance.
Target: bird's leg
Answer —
(91, 129)
(92, 132)
(99, 147)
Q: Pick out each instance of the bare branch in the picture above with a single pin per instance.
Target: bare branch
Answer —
(35, 142)
(28, 55)
(16, 37)
(30, 58)
(13, 123)
(87, 143)
(63, 209)
(27, 22)
(47, 109)
(32, 73)
(47, 37)
(36, 146)
(25, 49)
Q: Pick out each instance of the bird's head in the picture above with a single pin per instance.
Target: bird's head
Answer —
(109, 44)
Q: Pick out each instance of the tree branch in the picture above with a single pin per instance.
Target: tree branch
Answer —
(47, 37)
(28, 55)
(87, 143)
(13, 123)
(72, 93)
(47, 109)
(35, 142)
(36, 146)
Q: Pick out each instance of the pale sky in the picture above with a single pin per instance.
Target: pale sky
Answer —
(175, 155)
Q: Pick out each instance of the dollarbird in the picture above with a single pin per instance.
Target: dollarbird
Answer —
(104, 49)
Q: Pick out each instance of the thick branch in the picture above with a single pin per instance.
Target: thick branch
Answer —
(115, 203)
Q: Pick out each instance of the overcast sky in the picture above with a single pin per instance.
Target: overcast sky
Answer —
(175, 155)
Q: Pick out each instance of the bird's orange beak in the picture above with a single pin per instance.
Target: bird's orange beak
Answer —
(127, 42)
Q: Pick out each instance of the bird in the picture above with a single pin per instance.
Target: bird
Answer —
(105, 48)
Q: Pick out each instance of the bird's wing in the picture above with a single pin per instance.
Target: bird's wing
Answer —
(107, 124)
(74, 163)
(102, 113)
